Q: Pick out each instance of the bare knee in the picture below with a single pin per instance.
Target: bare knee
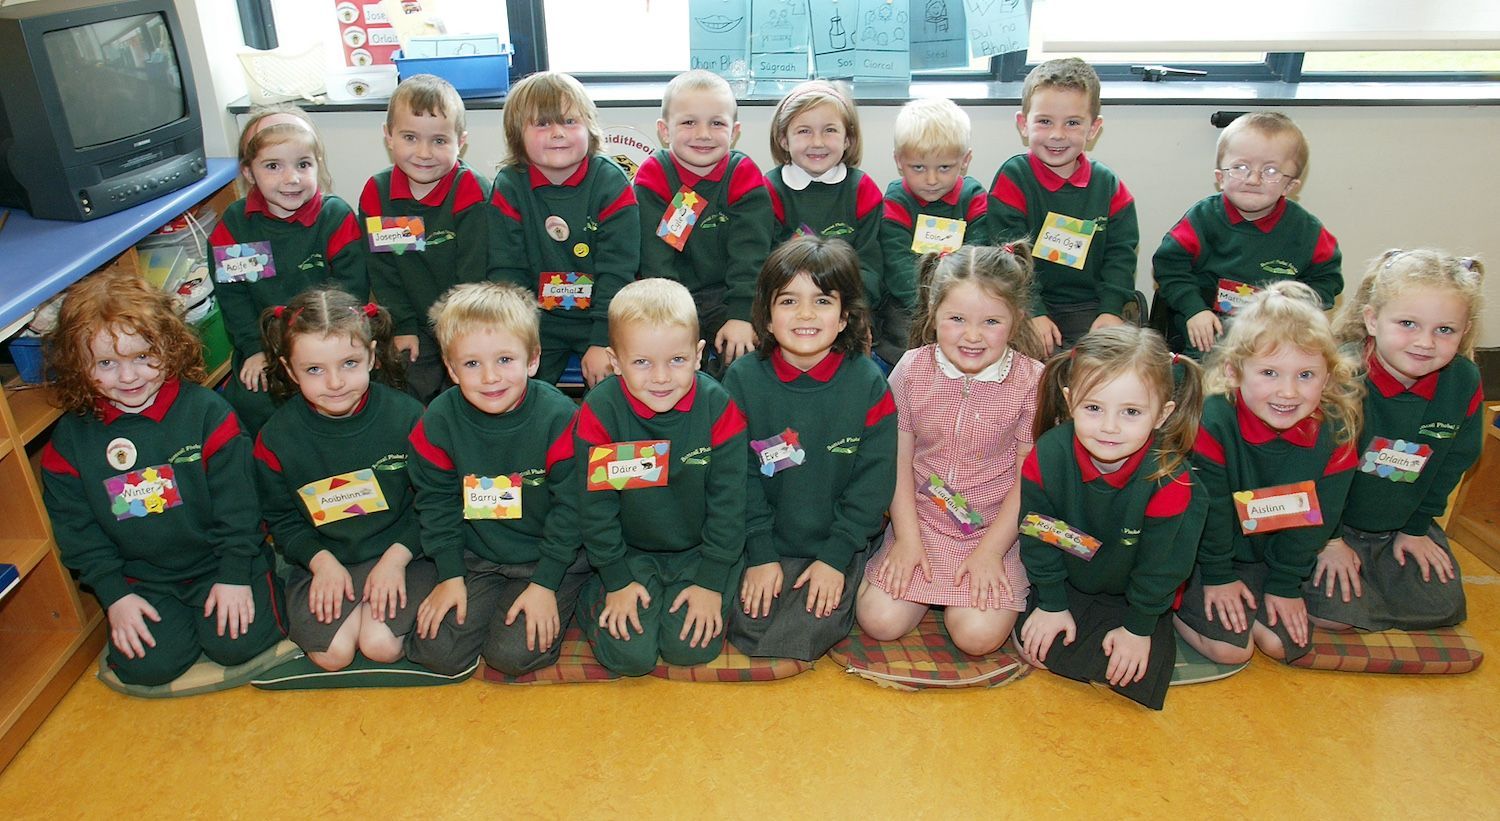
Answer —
(340, 652)
(1218, 652)
(979, 633)
(379, 644)
(1268, 642)
(883, 618)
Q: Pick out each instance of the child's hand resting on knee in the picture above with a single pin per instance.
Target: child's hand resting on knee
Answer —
(825, 586)
(331, 587)
(236, 607)
(705, 617)
(385, 587)
(1292, 613)
(1128, 654)
(1229, 602)
(985, 568)
(1042, 627)
(1430, 557)
(542, 621)
(127, 625)
(1341, 565)
(905, 557)
(447, 595)
(761, 584)
(620, 610)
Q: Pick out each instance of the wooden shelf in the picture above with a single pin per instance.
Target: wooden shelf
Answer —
(41, 665)
(33, 409)
(23, 553)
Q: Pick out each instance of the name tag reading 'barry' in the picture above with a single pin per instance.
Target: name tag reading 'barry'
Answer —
(1278, 508)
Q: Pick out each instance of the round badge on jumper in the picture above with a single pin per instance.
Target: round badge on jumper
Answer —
(581, 250)
(557, 228)
(120, 453)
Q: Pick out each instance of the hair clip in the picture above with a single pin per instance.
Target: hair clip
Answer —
(1008, 248)
(946, 252)
(1175, 357)
(1468, 264)
(370, 309)
(295, 314)
(278, 311)
(1072, 353)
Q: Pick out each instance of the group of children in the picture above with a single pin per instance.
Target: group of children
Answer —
(1033, 465)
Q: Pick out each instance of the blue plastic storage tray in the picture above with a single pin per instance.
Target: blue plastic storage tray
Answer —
(474, 75)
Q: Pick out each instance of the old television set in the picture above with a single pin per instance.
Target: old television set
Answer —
(97, 107)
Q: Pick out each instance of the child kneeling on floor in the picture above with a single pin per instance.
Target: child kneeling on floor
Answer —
(496, 491)
(661, 448)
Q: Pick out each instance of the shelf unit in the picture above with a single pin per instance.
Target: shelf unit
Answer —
(1475, 520)
(50, 633)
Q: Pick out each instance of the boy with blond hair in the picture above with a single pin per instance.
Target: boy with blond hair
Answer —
(1077, 214)
(497, 496)
(706, 218)
(935, 205)
(424, 219)
(1231, 244)
(661, 447)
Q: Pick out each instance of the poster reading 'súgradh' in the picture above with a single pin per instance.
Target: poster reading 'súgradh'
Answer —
(779, 39)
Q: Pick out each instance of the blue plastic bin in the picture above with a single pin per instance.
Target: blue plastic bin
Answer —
(474, 75)
(26, 352)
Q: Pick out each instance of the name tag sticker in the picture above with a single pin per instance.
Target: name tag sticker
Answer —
(142, 493)
(1233, 296)
(1060, 535)
(953, 503)
(396, 235)
(1065, 240)
(565, 290)
(243, 262)
(1278, 508)
(492, 497)
(1397, 460)
(934, 235)
(681, 216)
(778, 453)
(629, 465)
(343, 497)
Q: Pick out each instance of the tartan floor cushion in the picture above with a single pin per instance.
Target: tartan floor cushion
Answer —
(203, 677)
(1444, 651)
(575, 665)
(300, 674)
(1193, 668)
(924, 659)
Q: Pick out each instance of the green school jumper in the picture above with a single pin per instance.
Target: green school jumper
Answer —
(318, 246)
(689, 532)
(587, 224)
(1025, 191)
(968, 201)
(1236, 452)
(456, 235)
(1148, 528)
(303, 459)
(456, 445)
(849, 210)
(1214, 241)
(161, 504)
(1439, 414)
(729, 242)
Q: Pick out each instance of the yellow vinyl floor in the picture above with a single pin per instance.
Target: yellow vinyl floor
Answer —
(1269, 742)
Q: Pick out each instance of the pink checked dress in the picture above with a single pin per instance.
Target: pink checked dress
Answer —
(967, 432)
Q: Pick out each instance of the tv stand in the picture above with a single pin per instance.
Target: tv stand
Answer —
(50, 633)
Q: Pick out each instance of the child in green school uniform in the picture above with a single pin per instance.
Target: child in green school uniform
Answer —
(424, 220)
(661, 448)
(567, 220)
(705, 212)
(496, 492)
(822, 456)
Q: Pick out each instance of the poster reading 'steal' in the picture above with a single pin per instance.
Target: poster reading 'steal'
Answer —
(719, 37)
(939, 38)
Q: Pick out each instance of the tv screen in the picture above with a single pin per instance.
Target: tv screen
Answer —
(116, 78)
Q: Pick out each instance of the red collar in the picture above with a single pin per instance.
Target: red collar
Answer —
(538, 179)
(1255, 431)
(684, 404)
(822, 372)
(691, 179)
(255, 203)
(1266, 224)
(401, 186)
(358, 408)
(155, 411)
(950, 198)
(1118, 479)
(1052, 181)
(1389, 386)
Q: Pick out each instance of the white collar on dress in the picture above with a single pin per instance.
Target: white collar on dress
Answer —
(797, 179)
(995, 372)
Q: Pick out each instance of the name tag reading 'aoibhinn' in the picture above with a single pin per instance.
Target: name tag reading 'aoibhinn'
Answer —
(1278, 508)
(343, 497)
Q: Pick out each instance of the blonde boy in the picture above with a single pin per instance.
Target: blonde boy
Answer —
(411, 265)
(496, 492)
(714, 238)
(1086, 257)
(932, 155)
(1230, 244)
(661, 448)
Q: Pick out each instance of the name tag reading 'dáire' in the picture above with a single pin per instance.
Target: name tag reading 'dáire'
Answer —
(629, 465)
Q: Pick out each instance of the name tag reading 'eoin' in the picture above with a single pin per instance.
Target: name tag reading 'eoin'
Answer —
(1278, 508)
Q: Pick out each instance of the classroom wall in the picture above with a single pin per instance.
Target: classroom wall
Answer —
(1380, 176)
